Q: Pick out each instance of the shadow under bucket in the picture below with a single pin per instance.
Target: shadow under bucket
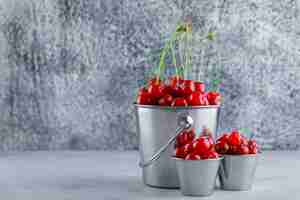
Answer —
(156, 125)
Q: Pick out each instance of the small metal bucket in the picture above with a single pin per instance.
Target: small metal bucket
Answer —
(237, 171)
(197, 177)
(157, 127)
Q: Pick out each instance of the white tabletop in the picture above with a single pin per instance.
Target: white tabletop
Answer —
(115, 175)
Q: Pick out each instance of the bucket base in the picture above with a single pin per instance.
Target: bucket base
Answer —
(162, 187)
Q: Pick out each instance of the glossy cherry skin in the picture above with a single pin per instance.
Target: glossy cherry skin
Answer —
(243, 149)
(193, 156)
(143, 97)
(210, 155)
(221, 147)
(199, 87)
(201, 145)
(214, 98)
(253, 147)
(184, 138)
(156, 91)
(235, 138)
(196, 99)
(188, 87)
(188, 148)
(166, 100)
(233, 149)
(224, 138)
(253, 150)
(179, 101)
(179, 152)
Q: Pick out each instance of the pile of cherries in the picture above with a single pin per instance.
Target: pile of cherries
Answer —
(189, 147)
(235, 143)
(176, 91)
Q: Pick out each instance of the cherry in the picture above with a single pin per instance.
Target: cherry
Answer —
(193, 156)
(179, 101)
(201, 145)
(223, 138)
(253, 150)
(143, 97)
(196, 99)
(188, 87)
(179, 152)
(185, 137)
(253, 147)
(199, 86)
(168, 90)
(210, 155)
(177, 91)
(166, 100)
(214, 98)
(252, 143)
(244, 141)
(221, 147)
(243, 149)
(233, 149)
(235, 138)
(188, 148)
(156, 90)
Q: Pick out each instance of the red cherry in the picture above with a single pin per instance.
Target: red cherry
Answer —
(184, 138)
(156, 91)
(168, 90)
(210, 141)
(192, 156)
(188, 87)
(214, 98)
(223, 138)
(252, 143)
(199, 86)
(201, 145)
(253, 147)
(188, 148)
(244, 141)
(233, 149)
(235, 138)
(253, 150)
(221, 147)
(166, 100)
(196, 99)
(177, 91)
(243, 149)
(179, 152)
(179, 102)
(143, 97)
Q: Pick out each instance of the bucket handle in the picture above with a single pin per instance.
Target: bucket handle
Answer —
(184, 122)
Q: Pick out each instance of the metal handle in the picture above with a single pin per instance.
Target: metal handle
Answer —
(183, 122)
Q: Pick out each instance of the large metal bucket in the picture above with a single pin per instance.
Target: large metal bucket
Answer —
(156, 125)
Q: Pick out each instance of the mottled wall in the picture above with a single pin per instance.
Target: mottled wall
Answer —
(69, 68)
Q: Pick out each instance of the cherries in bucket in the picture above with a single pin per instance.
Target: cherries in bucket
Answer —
(190, 148)
(176, 91)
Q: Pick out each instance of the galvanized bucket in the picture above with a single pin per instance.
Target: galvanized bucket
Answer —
(157, 127)
(237, 171)
(197, 177)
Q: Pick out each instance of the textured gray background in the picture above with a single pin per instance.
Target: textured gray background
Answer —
(69, 68)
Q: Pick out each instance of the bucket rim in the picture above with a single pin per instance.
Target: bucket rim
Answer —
(176, 107)
(201, 160)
